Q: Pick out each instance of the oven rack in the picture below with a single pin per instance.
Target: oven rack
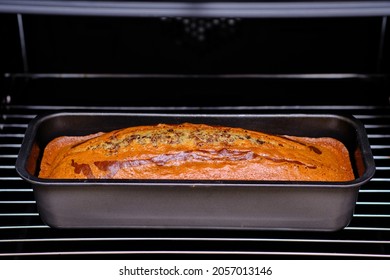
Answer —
(23, 234)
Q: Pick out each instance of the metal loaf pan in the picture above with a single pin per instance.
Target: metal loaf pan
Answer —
(270, 205)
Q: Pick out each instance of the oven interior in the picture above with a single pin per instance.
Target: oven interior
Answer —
(206, 60)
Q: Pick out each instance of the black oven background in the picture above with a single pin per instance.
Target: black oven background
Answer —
(183, 61)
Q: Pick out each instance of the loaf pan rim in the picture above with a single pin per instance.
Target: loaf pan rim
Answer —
(31, 131)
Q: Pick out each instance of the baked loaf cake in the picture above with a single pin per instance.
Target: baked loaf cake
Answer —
(195, 151)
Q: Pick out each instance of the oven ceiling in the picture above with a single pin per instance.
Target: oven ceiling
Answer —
(257, 9)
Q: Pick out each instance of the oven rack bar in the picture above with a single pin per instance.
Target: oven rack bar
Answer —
(259, 9)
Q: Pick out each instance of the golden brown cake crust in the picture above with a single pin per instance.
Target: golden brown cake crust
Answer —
(197, 152)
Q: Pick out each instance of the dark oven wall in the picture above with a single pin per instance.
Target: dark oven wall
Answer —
(265, 61)
(66, 44)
